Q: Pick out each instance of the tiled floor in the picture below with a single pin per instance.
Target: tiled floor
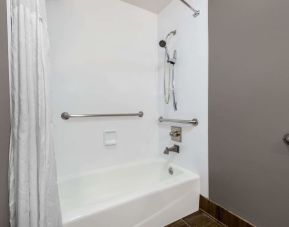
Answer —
(224, 216)
(198, 219)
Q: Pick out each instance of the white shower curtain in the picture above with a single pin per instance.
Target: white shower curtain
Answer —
(33, 198)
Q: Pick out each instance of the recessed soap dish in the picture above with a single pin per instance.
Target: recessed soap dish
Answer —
(110, 138)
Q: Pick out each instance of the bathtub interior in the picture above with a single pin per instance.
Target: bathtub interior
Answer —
(110, 185)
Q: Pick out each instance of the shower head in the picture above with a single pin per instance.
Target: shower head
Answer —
(163, 44)
(196, 13)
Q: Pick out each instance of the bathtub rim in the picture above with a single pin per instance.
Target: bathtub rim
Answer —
(123, 165)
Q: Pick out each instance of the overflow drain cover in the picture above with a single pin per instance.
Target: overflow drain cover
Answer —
(171, 171)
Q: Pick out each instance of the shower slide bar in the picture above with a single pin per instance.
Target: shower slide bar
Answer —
(193, 122)
(67, 116)
(196, 12)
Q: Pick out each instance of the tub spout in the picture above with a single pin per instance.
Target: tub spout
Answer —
(174, 148)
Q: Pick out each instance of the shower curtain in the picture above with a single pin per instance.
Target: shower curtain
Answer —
(34, 200)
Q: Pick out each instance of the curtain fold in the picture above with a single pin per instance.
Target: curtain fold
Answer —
(34, 200)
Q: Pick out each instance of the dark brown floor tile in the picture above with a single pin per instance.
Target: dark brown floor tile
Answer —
(215, 224)
(222, 215)
(198, 219)
(179, 223)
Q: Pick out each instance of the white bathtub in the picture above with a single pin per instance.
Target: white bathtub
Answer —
(141, 194)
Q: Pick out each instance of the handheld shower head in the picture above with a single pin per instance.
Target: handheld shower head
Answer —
(163, 44)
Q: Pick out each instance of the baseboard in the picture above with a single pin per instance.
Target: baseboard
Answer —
(222, 215)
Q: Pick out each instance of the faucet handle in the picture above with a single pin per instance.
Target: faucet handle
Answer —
(175, 134)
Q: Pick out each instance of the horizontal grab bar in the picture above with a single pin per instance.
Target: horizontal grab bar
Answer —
(193, 122)
(67, 116)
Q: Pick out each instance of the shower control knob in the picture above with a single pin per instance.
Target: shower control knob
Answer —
(175, 134)
(286, 138)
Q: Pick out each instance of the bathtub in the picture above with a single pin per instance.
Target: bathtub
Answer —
(143, 194)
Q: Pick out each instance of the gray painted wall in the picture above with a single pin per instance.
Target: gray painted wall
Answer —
(249, 108)
(4, 117)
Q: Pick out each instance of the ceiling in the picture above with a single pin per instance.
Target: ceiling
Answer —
(154, 6)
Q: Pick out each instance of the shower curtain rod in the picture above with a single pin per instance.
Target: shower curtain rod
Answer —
(196, 12)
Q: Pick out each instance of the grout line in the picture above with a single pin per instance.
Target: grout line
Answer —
(185, 223)
(213, 218)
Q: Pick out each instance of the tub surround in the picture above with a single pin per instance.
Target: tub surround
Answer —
(191, 77)
(104, 60)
